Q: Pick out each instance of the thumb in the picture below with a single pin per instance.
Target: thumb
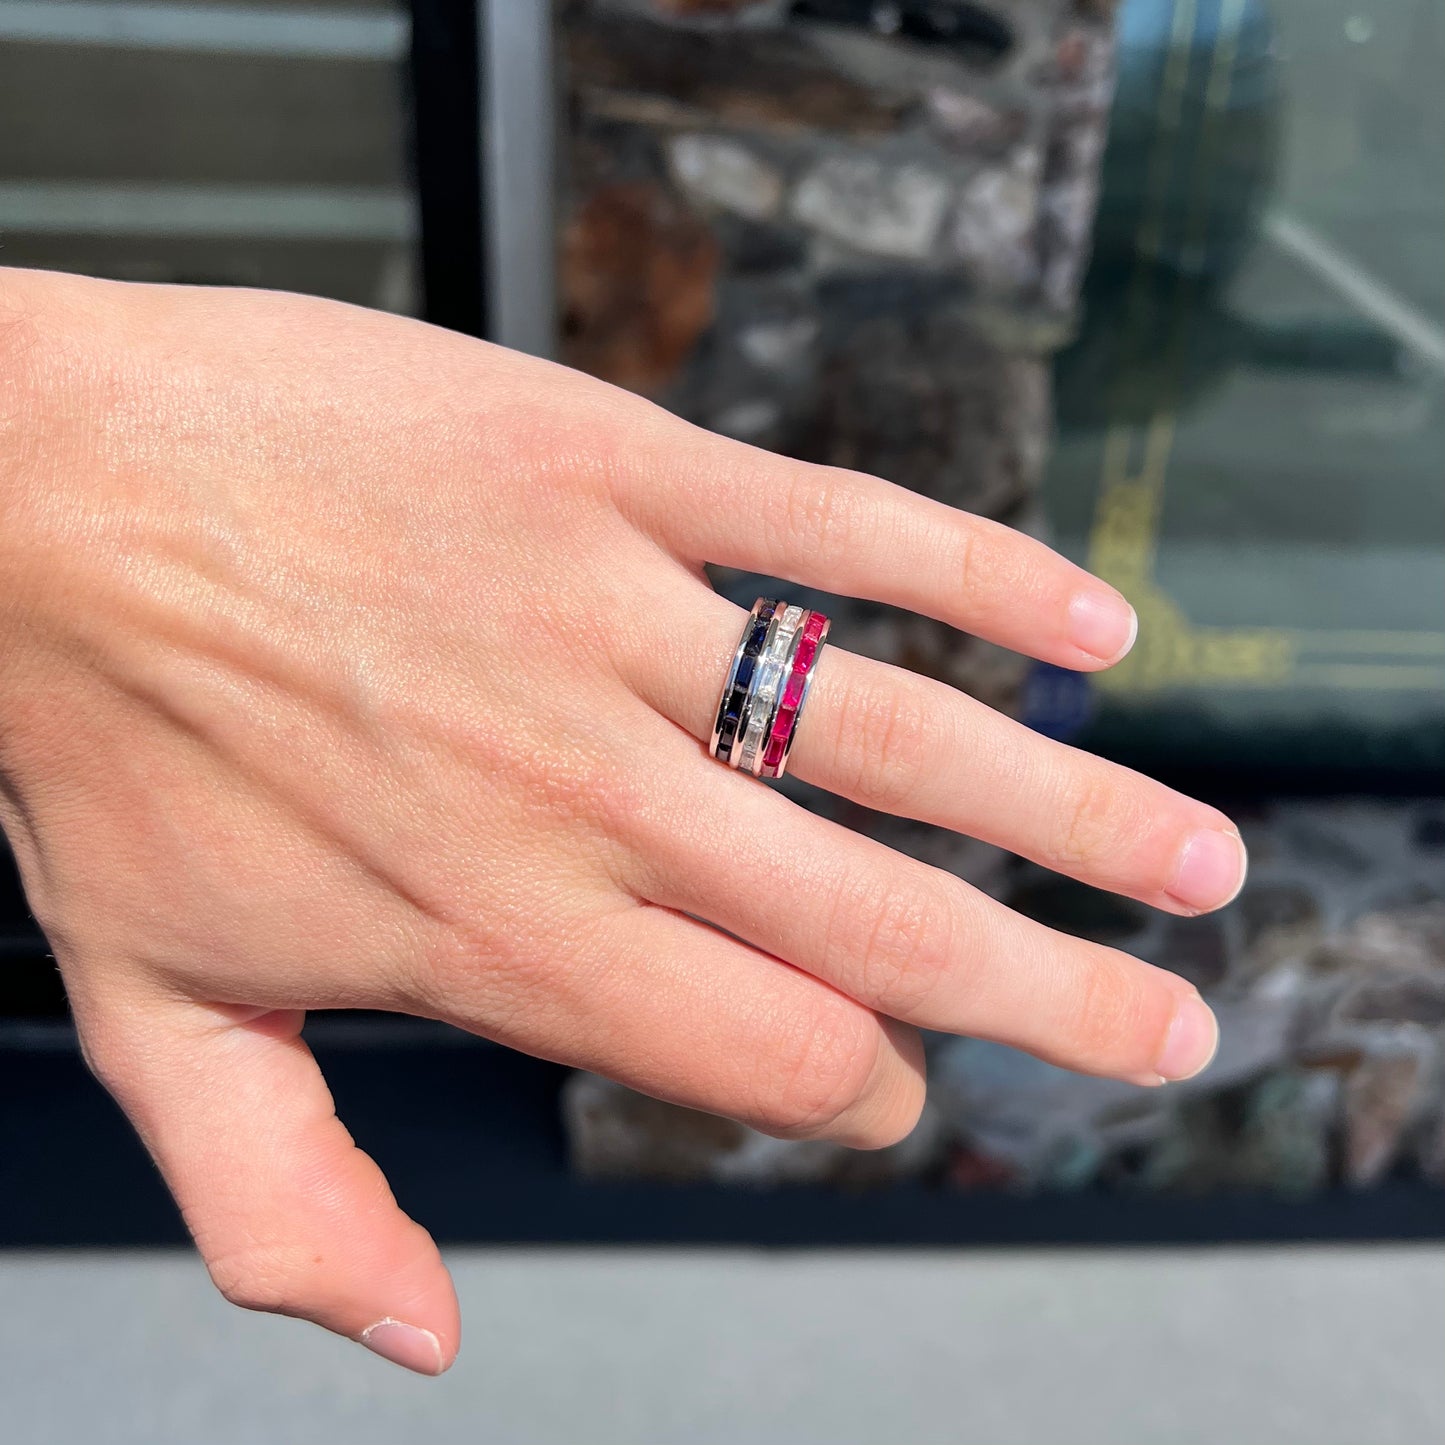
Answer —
(288, 1214)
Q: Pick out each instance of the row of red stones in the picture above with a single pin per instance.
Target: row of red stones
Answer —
(793, 690)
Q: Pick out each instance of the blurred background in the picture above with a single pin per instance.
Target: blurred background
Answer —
(1159, 281)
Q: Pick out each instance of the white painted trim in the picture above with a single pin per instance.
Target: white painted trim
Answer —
(228, 29)
(300, 213)
(518, 98)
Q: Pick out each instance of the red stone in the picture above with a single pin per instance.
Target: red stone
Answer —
(773, 753)
(792, 692)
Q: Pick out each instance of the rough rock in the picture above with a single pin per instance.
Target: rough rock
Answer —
(637, 278)
(1046, 1127)
(715, 171)
(646, 71)
(1380, 1097)
(920, 397)
(975, 126)
(885, 210)
(1273, 1135)
(994, 223)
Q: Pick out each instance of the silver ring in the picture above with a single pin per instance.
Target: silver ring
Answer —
(766, 686)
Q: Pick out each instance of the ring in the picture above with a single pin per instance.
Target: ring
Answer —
(766, 686)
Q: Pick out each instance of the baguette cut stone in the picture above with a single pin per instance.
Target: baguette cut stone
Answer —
(767, 679)
(794, 686)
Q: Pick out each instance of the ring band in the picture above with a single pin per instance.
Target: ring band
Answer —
(766, 687)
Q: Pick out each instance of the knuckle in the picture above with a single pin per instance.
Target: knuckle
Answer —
(887, 726)
(820, 1068)
(1112, 1017)
(904, 942)
(817, 512)
(967, 542)
(996, 565)
(1101, 823)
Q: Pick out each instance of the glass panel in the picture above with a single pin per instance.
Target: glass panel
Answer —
(1252, 435)
(262, 145)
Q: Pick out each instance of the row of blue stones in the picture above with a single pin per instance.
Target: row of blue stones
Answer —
(742, 680)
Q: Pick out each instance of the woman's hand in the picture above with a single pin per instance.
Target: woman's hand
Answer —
(347, 662)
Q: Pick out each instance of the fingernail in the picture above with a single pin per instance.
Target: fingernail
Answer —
(1102, 624)
(1211, 870)
(405, 1345)
(1192, 1041)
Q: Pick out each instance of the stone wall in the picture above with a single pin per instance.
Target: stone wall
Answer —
(846, 231)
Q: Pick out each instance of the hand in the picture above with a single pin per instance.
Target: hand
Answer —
(348, 662)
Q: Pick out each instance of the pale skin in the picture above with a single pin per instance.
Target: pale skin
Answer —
(350, 663)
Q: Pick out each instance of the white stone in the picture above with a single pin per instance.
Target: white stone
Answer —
(887, 210)
(778, 344)
(993, 225)
(970, 121)
(747, 419)
(722, 173)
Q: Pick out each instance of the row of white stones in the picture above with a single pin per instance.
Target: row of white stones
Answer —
(772, 664)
